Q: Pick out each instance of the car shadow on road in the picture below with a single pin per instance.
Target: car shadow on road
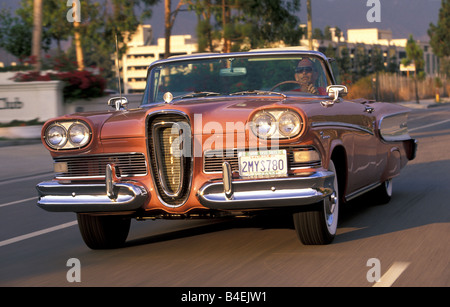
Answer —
(419, 199)
(219, 225)
(272, 220)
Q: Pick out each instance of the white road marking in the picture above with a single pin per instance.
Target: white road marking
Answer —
(15, 180)
(392, 274)
(18, 201)
(429, 125)
(37, 233)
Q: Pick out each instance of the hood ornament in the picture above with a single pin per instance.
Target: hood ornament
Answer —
(168, 97)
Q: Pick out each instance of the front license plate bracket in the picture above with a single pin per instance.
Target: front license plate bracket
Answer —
(263, 164)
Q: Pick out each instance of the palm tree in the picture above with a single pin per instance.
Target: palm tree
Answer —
(308, 8)
(37, 34)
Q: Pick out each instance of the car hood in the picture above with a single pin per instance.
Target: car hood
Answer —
(201, 111)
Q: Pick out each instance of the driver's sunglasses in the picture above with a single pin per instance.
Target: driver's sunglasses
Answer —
(300, 70)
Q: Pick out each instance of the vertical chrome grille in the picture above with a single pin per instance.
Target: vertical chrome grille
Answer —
(171, 163)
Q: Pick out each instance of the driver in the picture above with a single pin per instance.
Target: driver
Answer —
(306, 75)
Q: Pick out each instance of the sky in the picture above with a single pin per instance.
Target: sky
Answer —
(402, 17)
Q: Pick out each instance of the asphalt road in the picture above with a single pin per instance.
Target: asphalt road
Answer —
(405, 242)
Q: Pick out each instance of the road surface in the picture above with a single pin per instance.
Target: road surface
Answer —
(403, 243)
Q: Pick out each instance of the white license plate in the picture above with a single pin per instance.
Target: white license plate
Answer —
(267, 163)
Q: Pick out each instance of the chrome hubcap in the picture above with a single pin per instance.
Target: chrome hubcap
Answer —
(330, 206)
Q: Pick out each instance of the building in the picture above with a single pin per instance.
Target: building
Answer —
(366, 41)
(141, 53)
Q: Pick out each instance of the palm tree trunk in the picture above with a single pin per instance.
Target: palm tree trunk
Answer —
(308, 7)
(37, 34)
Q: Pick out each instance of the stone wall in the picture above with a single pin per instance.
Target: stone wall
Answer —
(30, 100)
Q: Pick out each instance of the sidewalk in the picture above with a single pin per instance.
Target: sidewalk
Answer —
(425, 103)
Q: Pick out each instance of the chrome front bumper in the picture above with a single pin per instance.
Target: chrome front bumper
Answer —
(266, 193)
(110, 196)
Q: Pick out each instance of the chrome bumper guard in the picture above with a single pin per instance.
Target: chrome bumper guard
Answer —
(111, 196)
(266, 193)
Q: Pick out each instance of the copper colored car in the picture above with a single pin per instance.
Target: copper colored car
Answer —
(220, 135)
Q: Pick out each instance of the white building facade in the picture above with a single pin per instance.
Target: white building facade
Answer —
(141, 53)
(367, 40)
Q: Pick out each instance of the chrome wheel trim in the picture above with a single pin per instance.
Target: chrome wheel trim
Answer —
(388, 187)
(331, 205)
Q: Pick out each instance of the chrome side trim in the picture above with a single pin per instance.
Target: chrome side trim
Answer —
(342, 125)
(361, 191)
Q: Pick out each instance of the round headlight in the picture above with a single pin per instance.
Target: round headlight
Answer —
(79, 134)
(56, 136)
(264, 125)
(289, 124)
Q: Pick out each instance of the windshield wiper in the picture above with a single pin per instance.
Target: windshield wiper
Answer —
(257, 92)
(197, 94)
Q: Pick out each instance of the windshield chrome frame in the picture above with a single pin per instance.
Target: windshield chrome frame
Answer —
(212, 56)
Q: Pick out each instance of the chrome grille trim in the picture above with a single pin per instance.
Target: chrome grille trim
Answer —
(169, 159)
(213, 159)
(171, 194)
(94, 166)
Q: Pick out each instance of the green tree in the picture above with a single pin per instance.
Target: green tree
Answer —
(15, 35)
(101, 22)
(440, 36)
(54, 21)
(244, 24)
(414, 55)
(272, 21)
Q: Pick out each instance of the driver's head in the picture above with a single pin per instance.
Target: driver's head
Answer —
(305, 72)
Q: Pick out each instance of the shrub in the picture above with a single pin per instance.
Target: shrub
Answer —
(78, 84)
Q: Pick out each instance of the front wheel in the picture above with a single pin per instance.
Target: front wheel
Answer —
(318, 227)
(103, 232)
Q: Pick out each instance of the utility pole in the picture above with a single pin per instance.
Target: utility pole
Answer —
(37, 34)
(308, 8)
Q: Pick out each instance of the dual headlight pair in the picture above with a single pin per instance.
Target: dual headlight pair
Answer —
(276, 124)
(67, 135)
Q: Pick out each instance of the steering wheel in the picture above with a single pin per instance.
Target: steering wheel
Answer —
(286, 82)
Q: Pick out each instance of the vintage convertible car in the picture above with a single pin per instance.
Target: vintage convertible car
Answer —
(220, 135)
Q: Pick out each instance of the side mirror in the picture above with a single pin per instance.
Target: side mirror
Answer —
(336, 91)
(119, 103)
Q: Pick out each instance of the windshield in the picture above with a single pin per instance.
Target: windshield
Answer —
(254, 74)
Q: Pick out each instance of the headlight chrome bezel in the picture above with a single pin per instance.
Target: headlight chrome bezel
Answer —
(69, 142)
(49, 136)
(256, 128)
(86, 134)
(276, 132)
